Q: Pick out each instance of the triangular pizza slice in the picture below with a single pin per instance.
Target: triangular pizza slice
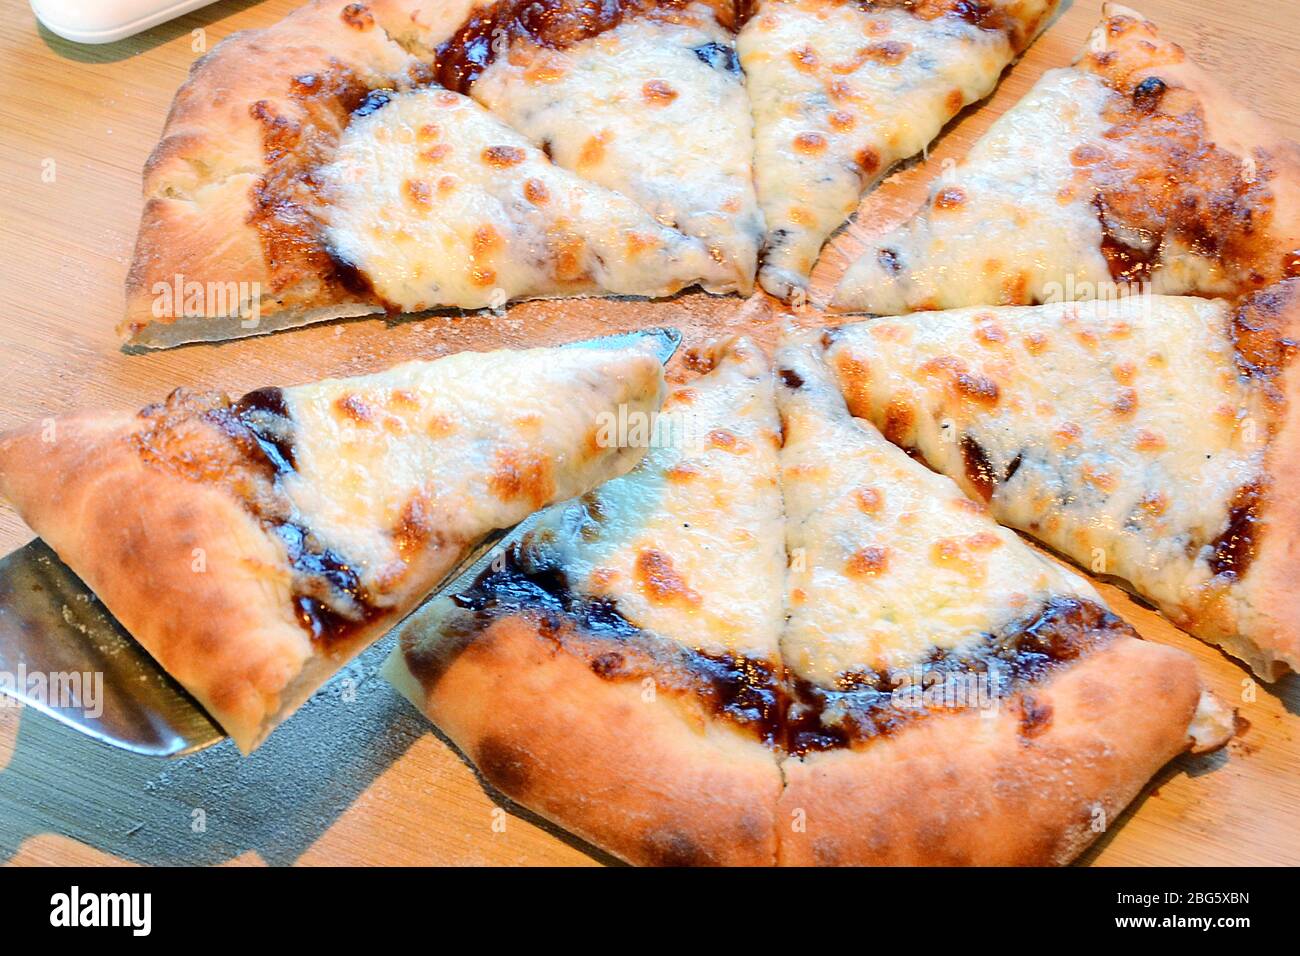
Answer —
(957, 698)
(617, 669)
(1130, 167)
(254, 545)
(432, 201)
(842, 91)
(1152, 438)
(243, 232)
(645, 98)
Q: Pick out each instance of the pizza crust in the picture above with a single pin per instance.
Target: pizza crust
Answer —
(263, 105)
(144, 538)
(965, 789)
(655, 781)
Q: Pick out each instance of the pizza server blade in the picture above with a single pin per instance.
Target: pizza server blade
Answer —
(64, 655)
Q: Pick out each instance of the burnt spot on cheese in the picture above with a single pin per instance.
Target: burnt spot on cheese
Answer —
(898, 422)
(867, 562)
(535, 192)
(867, 704)
(503, 157)
(950, 197)
(719, 56)
(976, 388)
(660, 581)
(978, 468)
(357, 16)
(889, 261)
(1231, 552)
(809, 143)
(868, 160)
(355, 409)
(658, 92)
(522, 475)
(418, 192)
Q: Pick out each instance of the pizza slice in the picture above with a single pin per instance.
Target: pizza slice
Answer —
(1152, 438)
(243, 232)
(957, 698)
(645, 98)
(842, 91)
(1131, 167)
(254, 545)
(617, 669)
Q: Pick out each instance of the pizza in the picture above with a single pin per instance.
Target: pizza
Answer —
(643, 97)
(254, 545)
(242, 221)
(1131, 167)
(841, 92)
(433, 202)
(728, 655)
(1150, 438)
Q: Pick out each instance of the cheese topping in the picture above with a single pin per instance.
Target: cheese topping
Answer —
(654, 109)
(888, 560)
(399, 470)
(437, 203)
(1119, 433)
(688, 546)
(1004, 227)
(840, 93)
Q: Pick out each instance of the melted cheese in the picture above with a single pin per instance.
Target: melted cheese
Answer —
(653, 109)
(1016, 228)
(438, 203)
(1128, 425)
(390, 467)
(689, 545)
(888, 560)
(839, 95)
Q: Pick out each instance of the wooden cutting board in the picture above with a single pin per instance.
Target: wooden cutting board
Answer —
(359, 777)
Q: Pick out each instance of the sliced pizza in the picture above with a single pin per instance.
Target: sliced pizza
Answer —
(1150, 438)
(254, 545)
(1131, 167)
(644, 97)
(842, 91)
(617, 668)
(956, 697)
(243, 233)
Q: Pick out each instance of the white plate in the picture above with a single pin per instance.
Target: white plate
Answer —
(103, 21)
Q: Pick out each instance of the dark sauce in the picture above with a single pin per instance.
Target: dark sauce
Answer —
(1235, 546)
(866, 704)
(791, 379)
(525, 578)
(1126, 263)
(558, 24)
(979, 470)
(780, 709)
(328, 597)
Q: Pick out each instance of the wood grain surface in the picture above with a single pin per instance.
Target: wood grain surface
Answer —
(359, 777)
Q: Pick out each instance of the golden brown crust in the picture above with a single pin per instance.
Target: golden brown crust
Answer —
(229, 206)
(1264, 629)
(643, 772)
(966, 789)
(143, 539)
(1211, 172)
